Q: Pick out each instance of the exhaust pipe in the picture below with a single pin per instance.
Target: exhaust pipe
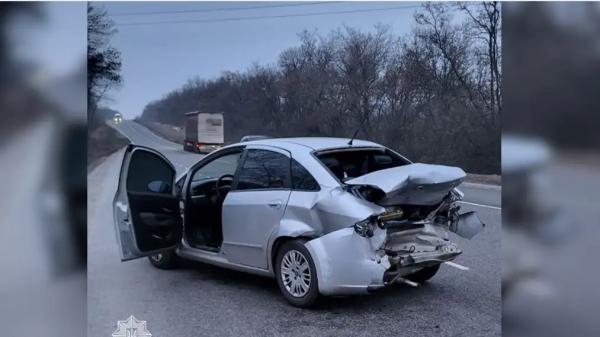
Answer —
(405, 281)
(399, 279)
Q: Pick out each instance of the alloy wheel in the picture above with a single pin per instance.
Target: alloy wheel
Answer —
(295, 273)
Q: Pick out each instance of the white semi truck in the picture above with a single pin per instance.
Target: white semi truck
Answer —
(204, 132)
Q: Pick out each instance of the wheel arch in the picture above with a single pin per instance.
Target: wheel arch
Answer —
(288, 229)
(278, 243)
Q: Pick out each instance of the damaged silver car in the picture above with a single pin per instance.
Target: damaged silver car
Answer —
(324, 216)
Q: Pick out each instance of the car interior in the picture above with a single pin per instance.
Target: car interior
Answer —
(155, 209)
(207, 191)
(351, 163)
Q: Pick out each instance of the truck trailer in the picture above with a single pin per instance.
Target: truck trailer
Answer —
(204, 132)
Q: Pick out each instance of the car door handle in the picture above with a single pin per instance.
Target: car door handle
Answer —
(275, 204)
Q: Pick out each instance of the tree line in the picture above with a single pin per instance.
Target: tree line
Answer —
(103, 61)
(434, 95)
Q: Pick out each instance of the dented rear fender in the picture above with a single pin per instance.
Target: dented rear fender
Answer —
(347, 263)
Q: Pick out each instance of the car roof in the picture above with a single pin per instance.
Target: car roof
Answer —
(301, 149)
(311, 143)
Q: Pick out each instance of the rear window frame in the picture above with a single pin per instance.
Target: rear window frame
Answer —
(318, 153)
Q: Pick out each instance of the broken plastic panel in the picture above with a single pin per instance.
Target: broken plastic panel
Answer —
(467, 225)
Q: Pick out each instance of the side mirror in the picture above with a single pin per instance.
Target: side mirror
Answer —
(158, 186)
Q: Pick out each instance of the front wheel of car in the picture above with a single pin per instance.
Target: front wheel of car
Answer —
(164, 260)
(296, 274)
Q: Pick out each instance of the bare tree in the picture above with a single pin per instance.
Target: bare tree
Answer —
(485, 21)
(103, 61)
(438, 30)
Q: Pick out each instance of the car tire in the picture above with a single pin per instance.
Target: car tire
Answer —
(299, 286)
(424, 274)
(164, 260)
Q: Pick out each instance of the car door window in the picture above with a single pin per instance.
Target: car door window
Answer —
(179, 186)
(152, 174)
(218, 167)
(301, 179)
(263, 169)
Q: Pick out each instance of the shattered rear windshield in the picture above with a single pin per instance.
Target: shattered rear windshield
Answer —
(351, 163)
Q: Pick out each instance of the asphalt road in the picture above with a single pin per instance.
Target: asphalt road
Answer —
(138, 134)
(202, 300)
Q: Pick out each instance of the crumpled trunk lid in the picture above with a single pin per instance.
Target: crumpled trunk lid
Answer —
(413, 184)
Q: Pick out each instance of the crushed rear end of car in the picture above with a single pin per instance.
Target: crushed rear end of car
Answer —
(398, 222)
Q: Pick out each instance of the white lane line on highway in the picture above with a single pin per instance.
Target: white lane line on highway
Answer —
(480, 205)
(482, 186)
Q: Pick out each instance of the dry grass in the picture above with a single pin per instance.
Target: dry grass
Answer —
(169, 132)
(103, 141)
(487, 179)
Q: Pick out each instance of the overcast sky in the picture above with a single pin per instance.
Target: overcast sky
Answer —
(56, 41)
(158, 58)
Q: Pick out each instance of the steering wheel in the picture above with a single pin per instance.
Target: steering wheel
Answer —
(224, 181)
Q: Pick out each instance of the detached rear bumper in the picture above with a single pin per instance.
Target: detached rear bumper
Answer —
(425, 259)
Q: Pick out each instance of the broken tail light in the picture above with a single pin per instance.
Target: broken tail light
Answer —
(365, 227)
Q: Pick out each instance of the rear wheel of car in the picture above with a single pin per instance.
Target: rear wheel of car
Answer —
(296, 274)
(164, 260)
(424, 274)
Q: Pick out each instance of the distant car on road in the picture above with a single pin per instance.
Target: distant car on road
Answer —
(252, 137)
(204, 132)
(117, 118)
(324, 216)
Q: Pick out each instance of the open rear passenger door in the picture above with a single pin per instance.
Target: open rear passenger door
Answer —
(145, 209)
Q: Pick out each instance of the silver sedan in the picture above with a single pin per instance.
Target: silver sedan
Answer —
(324, 216)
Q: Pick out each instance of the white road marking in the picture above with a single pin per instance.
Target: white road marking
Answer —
(456, 265)
(480, 205)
